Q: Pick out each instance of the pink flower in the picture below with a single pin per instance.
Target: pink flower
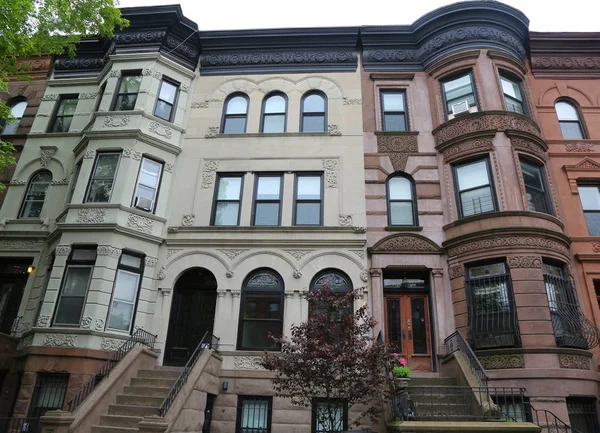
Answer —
(403, 362)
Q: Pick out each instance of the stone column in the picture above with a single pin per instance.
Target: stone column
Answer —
(377, 301)
(438, 297)
(56, 421)
(291, 312)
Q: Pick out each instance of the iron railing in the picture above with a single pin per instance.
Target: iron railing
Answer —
(549, 422)
(209, 341)
(456, 342)
(459, 403)
(138, 337)
(571, 326)
(19, 425)
(492, 314)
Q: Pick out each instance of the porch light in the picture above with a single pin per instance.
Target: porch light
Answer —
(30, 269)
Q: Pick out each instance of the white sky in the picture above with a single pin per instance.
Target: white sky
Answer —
(544, 15)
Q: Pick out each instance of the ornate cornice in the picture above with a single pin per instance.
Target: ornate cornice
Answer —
(405, 243)
(565, 54)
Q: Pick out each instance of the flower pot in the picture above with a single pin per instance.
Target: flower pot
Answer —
(401, 382)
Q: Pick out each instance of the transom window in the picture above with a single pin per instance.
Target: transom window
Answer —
(147, 184)
(474, 188)
(226, 211)
(513, 97)
(64, 114)
(254, 414)
(590, 202)
(401, 206)
(569, 120)
(17, 110)
(103, 177)
(332, 279)
(535, 187)
(274, 113)
(308, 203)
(314, 112)
(393, 107)
(267, 202)
(125, 292)
(261, 310)
(457, 90)
(129, 88)
(36, 195)
(165, 104)
(236, 114)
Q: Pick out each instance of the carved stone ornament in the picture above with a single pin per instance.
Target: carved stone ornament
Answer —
(60, 182)
(92, 323)
(46, 156)
(297, 274)
(117, 121)
(208, 174)
(331, 172)
(457, 271)
(107, 250)
(334, 130)
(232, 254)
(359, 229)
(89, 154)
(180, 47)
(160, 130)
(298, 254)
(169, 167)
(359, 253)
(501, 362)
(50, 97)
(188, 220)
(60, 340)
(151, 262)
(172, 252)
(136, 155)
(162, 273)
(281, 59)
(345, 220)
(467, 147)
(17, 182)
(27, 341)
(596, 247)
(184, 87)
(140, 224)
(92, 95)
(43, 321)
(152, 72)
(397, 148)
(203, 104)
(90, 216)
(406, 243)
(110, 344)
(229, 274)
(139, 37)
(221, 293)
(115, 73)
(527, 145)
(247, 363)
(236, 293)
(212, 132)
(364, 275)
(524, 261)
(568, 63)
(580, 147)
(577, 362)
(19, 245)
(508, 242)
(347, 101)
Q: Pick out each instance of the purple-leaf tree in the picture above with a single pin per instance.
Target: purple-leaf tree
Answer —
(334, 359)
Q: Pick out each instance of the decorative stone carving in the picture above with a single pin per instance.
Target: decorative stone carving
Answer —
(162, 273)
(297, 274)
(19, 245)
(221, 293)
(236, 293)
(568, 63)
(110, 344)
(527, 145)
(229, 274)
(60, 340)
(364, 275)
(457, 271)
(359, 229)
(524, 261)
(107, 250)
(208, 175)
(361, 292)
(188, 220)
(117, 121)
(42, 321)
(17, 182)
(402, 243)
(507, 242)
(179, 46)
(331, 172)
(345, 220)
(580, 147)
(140, 224)
(136, 155)
(172, 252)
(139, 37)
(151, 262)
(152, 72)
(397, 148)
(298, 254)
(467, 147)
(90, 216)
(184, 87)
(115, 73)
(46, 156)
(161, 130)
(93, 95)
(247, 363)
(596, 247)
(334, 130)
(63, 250)
(212, 132)
(173, 229)
(89, 154)
(359, 253)
(203, 104)
(501, 362)
(232, 254)
(574, 361)
(87, 322)
(27, 341)
(169, 167)
(99, 325)
(60, 182)
(50, 97)
(347, 101)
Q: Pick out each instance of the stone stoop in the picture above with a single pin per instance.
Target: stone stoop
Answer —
(141, 398)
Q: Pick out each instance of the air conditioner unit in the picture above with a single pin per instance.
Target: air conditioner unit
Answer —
(460, 107)
(144, 203)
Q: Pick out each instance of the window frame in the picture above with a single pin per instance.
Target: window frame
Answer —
(457, 191)
(582, 128)
(295, 199)
(240, 407)
(175, 100)
(392, 91)
(73, 183)
(588, 184)
(13, 103)
(91, 179)
(264, 114)
(314, 408)
(225, 116)
(43, 377)
(542, 169)
(519, 82)
(253, 291)
(128, 73)
(216, 200)
(75, 263)
(137, 183)
(324, 113)
(131, 269)
(256, 201)
(29, 185)
(413, 201)
(456, 76)
(55, 115)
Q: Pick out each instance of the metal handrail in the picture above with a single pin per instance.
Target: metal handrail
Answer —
(209, 341)
(138, 337)
(456, 342)
(19, 424)
(552, 423)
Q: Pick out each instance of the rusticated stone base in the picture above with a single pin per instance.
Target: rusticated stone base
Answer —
(501, 362)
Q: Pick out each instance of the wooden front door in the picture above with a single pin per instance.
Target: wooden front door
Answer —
(408, 328)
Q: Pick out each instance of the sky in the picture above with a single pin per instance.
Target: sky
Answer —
(544, 15)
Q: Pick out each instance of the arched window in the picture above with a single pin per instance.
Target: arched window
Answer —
(402, 209)
(235, 114)
(36, 194)
(16, 110)
(569, 120)
(333, 279)
(314, 112)
(274, 113)
(261, 310)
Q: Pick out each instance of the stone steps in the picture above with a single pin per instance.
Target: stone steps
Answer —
(113, 429)
(120, 420)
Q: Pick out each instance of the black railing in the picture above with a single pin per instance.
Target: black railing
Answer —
(456, 342)
(19, 425)
(459, 403)
(209, 341)
(492, 314)
(571, 327)
(549, 422)
(138, 337)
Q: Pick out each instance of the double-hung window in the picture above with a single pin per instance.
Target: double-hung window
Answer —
(235, 114)
(513, 96)
(308, 200)
(75, 285)
(393, 108)
(459, 91)
(35, 197)
(103, 177)
(228, 198)
(254, 414)
(167, 97)
(590, 202)
(64, 114)
(535, 187)
(274, 113)
(146, 189)
(313, 112)
(401, 203)
(329, 416)
(125, 292)
(569, 120)
(16, 110)
(129, 88)
(473, 182)
(267, 201)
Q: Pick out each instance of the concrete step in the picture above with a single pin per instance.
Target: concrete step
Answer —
(127, 410)
(112, 429)
(146, 390)
(432, 381)
(159, 374)
(139, 400)
(120, 420)
(169, 368)
(153, 383)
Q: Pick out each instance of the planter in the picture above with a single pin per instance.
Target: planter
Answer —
(401, 382)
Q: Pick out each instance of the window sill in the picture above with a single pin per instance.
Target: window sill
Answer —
(403, 228)
(394, 133)
(274, 134)
(500, 214)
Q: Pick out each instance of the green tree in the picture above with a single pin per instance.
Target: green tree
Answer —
(34, 27)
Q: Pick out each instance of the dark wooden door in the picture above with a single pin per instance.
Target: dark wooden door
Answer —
(11, 292)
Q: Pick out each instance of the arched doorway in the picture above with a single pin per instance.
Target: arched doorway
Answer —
(192, 314)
